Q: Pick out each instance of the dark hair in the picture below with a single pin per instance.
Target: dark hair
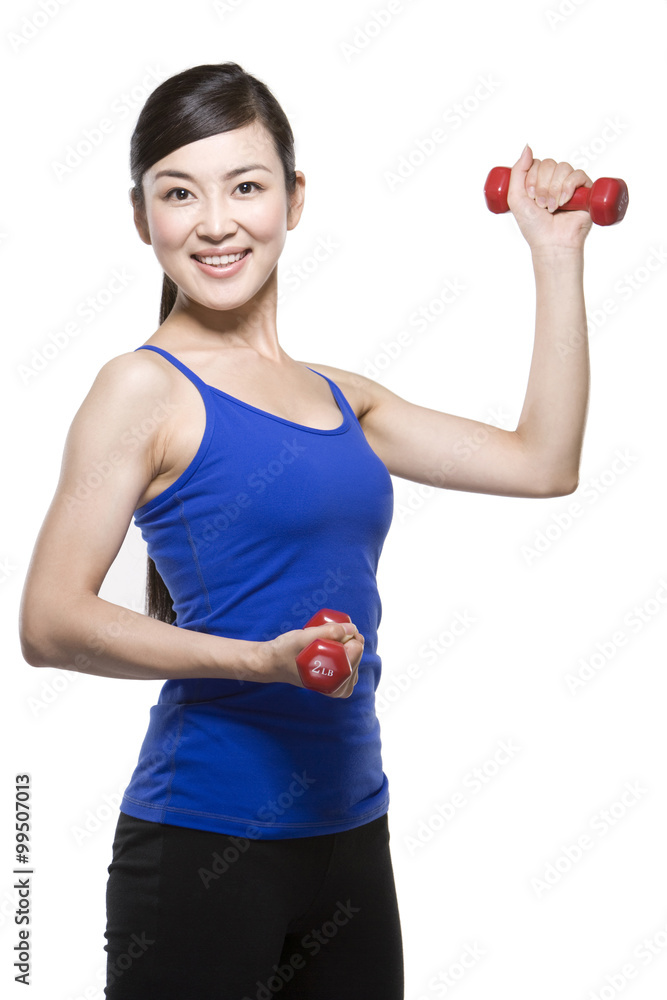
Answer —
(195, 104)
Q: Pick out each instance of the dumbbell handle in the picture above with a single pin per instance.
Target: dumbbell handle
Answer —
(606, 201)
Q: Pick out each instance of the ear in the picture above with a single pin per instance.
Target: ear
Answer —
(140, 220)
(296, 201)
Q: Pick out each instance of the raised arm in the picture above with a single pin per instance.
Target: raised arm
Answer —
(63, 622)
(541, 457)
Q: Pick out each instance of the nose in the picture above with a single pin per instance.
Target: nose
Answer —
(216, 219)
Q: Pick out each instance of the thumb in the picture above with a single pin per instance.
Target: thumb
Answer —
(517, 184)
(350, 631)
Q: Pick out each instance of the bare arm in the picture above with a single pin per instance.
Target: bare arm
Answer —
(63, 621)
(553, 417)
(541, 457)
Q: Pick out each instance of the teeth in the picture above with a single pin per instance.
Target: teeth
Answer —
(227, 259)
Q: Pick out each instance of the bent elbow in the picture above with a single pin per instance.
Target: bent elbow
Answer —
(564, 488)
(37, 646)
(560, 489)
(34, 652)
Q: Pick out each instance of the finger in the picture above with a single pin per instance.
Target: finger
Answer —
(571, 181)
(517, 184)
(561, 172)
(531, 178)
(543, 180)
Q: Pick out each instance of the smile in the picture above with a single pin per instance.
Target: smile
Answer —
(222, 267)
(215, 261)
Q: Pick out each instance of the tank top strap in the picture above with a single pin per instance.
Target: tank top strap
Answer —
(340, 398)
(201, 385)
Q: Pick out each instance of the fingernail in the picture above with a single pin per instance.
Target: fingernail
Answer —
(564, 196)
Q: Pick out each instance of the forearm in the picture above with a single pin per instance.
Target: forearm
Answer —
(93, 636)
(553, 418)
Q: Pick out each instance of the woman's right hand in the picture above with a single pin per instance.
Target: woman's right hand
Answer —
(279, 654)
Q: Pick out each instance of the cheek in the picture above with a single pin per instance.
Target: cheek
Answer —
(265, 223)
(166, 231)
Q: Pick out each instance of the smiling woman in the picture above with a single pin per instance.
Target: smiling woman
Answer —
(264, 496)
(243, 492)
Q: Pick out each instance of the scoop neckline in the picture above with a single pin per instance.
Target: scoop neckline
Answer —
(335, 392)
(283, 420)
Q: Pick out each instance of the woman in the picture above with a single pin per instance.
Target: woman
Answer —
(251, 854)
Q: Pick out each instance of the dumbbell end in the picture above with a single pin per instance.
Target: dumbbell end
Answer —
(609, 201)
(326, 615)
(323, 666)
(496, 188)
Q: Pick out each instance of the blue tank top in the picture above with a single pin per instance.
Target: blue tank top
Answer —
(271, 521)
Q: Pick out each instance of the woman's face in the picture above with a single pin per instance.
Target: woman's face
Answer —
(233, 197)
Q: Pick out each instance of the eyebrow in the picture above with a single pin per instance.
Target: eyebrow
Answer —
(230, 173)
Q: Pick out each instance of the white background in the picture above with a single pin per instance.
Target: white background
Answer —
(559, 80)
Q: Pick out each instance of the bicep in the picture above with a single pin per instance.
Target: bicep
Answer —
(104, 471)
(441, 449)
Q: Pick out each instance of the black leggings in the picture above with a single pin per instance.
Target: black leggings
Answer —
(196, 915)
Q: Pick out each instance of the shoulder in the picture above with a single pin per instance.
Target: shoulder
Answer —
(361, 393)
(134, 369)
(135, 378)
(127, 388)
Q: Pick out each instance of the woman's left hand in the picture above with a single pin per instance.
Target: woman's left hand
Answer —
(536, 188)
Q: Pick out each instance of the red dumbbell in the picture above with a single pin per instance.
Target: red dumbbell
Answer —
(323, 664)
(606, 201)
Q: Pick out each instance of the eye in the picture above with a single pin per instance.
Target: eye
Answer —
(249, 184)
(167, 197)
(245, 184)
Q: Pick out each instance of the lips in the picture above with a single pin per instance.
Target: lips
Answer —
(221, 271)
